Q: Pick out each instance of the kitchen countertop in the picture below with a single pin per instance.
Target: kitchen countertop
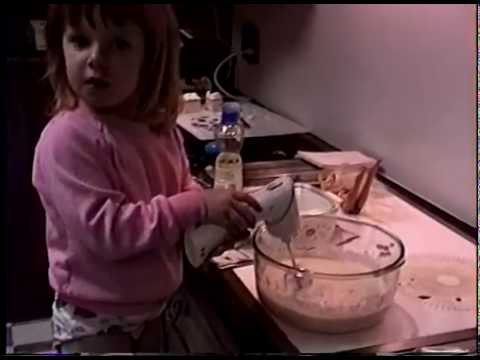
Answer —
(257, 331)
(409, 318)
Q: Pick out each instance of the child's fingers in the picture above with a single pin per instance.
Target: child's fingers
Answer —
(246, 198)
(244, 211)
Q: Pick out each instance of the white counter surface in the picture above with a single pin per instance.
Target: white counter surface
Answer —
(409, 317)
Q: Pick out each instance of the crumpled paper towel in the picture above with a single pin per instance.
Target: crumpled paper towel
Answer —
(240, 255)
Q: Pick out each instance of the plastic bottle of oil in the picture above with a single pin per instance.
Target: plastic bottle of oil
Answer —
(229, 137)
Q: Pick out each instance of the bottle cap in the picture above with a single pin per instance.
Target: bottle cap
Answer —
(230, 113)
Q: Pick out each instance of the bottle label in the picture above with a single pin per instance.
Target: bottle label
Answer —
(229, 171)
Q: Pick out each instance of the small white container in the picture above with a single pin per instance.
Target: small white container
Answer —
(214, 101)
(191, 103)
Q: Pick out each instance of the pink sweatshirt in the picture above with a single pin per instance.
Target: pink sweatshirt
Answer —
(118, 199)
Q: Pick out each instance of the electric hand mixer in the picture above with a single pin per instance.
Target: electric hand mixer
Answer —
(279, 212)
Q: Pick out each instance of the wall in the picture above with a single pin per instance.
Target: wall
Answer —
(394, 81)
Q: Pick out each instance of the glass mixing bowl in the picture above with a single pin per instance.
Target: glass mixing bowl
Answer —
(346, 275)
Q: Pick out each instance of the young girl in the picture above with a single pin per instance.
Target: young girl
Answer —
(113, 178)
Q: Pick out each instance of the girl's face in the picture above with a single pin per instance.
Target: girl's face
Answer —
(103, 62)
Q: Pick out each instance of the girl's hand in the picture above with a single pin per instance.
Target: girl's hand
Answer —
(232, 210)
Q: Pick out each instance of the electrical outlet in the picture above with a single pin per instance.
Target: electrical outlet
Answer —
(250, 41)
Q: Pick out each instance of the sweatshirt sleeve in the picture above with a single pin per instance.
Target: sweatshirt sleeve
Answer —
(72, 174)
(189, 183)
